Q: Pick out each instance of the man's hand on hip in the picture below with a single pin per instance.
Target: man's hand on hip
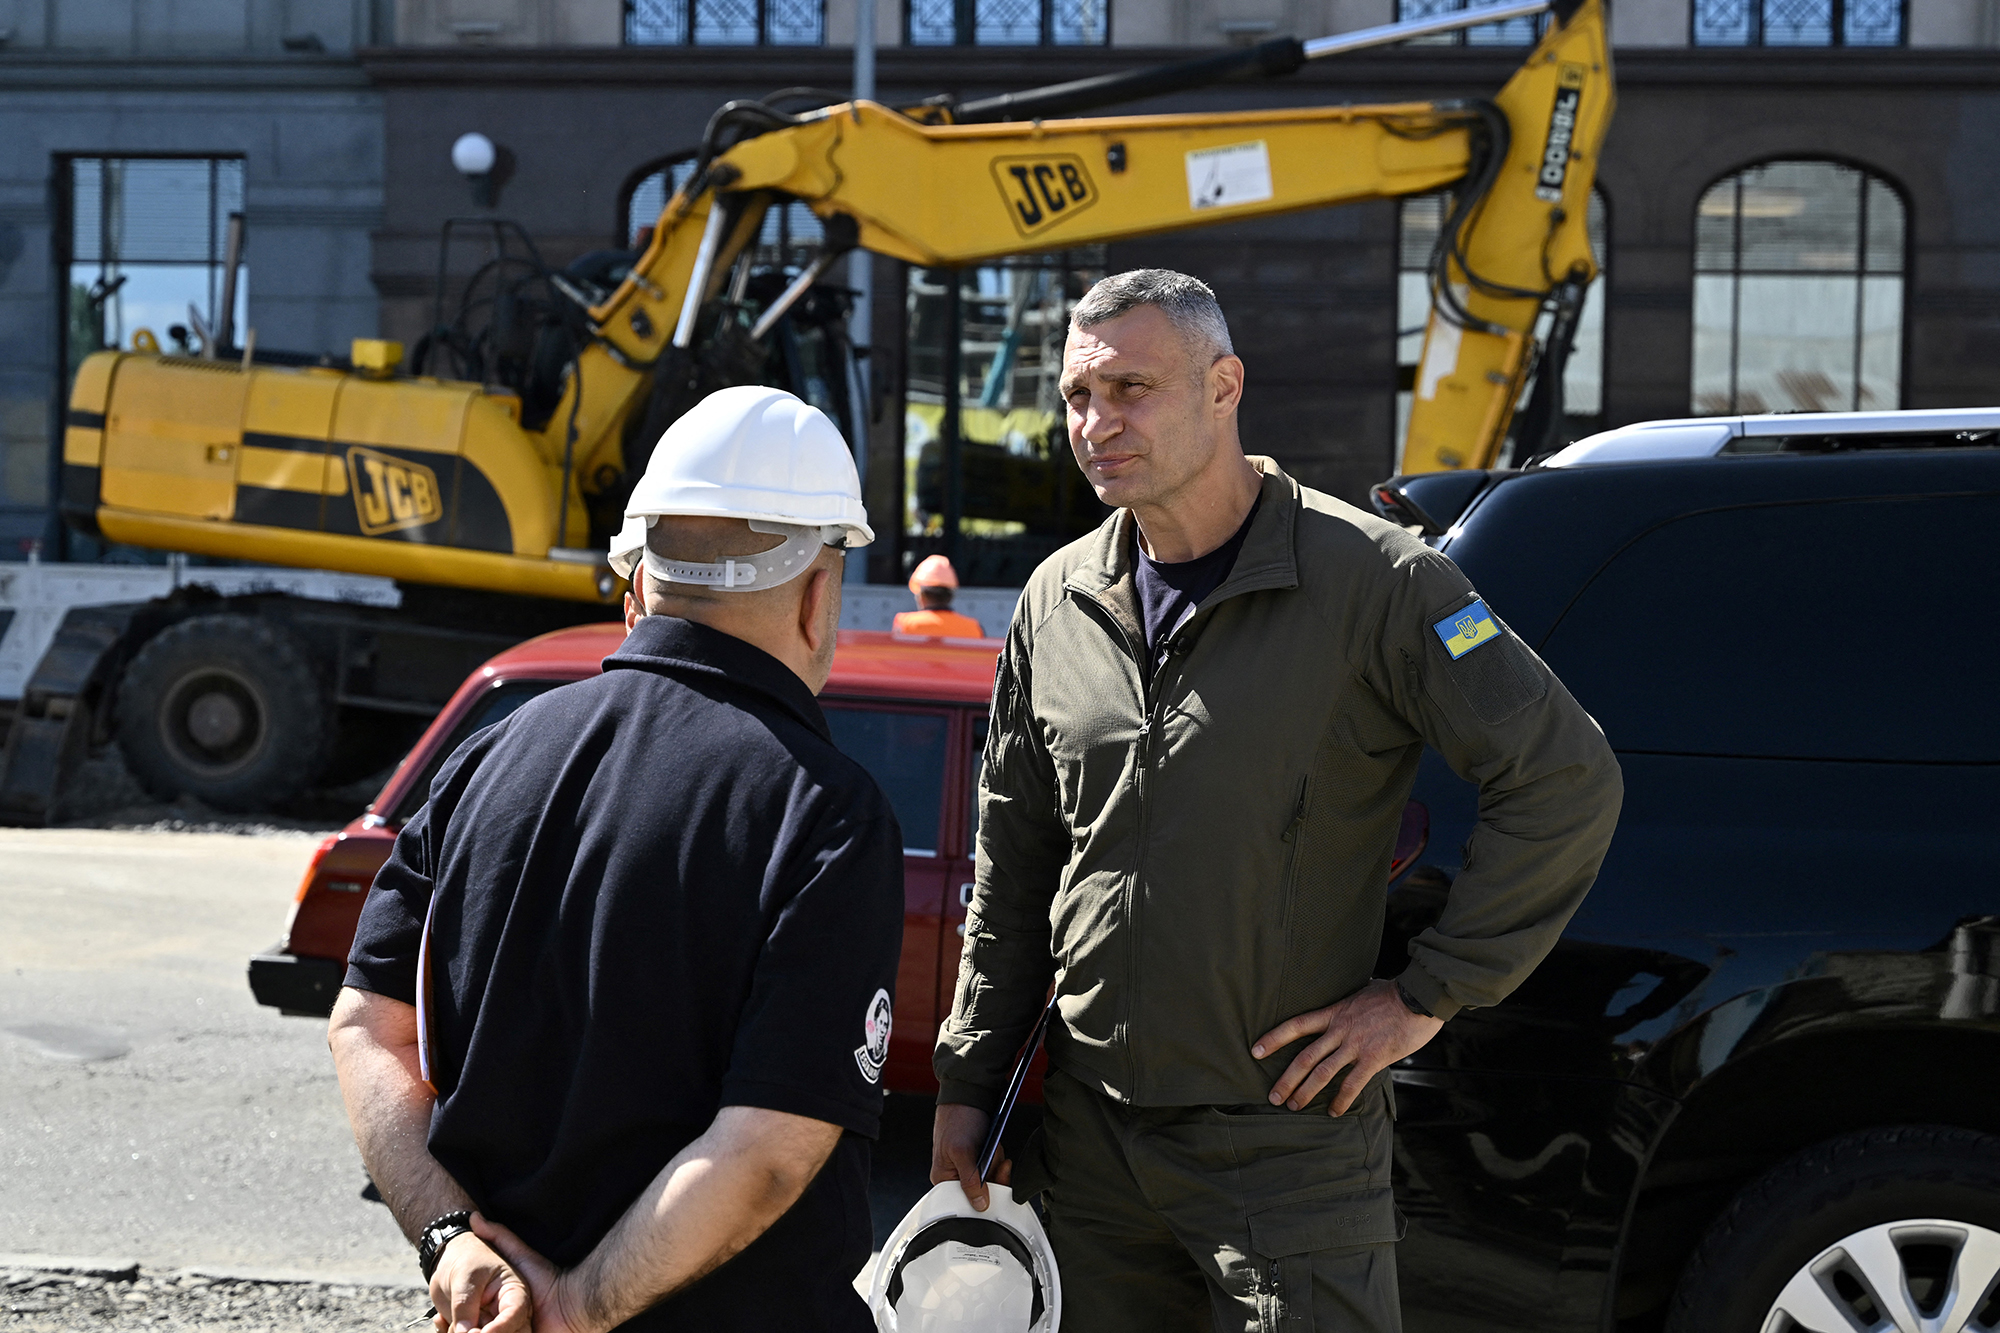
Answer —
(957, 1135)
(474, 1289)
(1364, 1033)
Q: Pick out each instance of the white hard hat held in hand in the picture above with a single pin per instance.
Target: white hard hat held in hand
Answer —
(758, 454)
(949, 1269)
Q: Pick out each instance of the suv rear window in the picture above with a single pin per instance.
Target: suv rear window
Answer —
(496, 704)
(1849, 629)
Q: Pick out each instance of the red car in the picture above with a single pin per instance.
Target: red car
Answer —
(913, 711)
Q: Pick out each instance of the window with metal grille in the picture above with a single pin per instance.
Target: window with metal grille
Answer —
(146, 241)
(1799, 22)
(1798, 291)
(1583, 376)
(725, 22)
(1007, 22)
(1511, 32)
(789, 239)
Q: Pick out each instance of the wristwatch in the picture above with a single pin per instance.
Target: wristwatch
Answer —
(437, 1234)
(1411, 1002)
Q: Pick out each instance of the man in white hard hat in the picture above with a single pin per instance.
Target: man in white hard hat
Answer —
(663, 916)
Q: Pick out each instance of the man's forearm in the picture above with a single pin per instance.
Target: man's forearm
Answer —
(375, 1056)
(720, 1193)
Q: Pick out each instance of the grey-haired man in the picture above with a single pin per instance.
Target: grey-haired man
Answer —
(1205, 726)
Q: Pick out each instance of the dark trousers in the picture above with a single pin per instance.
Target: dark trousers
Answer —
(1249, 1219)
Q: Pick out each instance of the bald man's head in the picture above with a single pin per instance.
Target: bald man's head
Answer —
(796, 621)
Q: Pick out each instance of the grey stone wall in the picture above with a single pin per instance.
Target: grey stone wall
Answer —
(309, 129)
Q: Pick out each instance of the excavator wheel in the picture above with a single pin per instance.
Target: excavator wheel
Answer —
(226, 709)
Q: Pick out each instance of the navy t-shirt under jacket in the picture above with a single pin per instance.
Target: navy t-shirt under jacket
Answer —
(660, 891)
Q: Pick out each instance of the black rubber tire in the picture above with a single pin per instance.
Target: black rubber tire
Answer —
(1787, 1217)
(227, 709)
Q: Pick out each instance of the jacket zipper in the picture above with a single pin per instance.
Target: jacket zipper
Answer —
(1143, 747)
(1298, 812)
(1294, 839)
(1150, 695)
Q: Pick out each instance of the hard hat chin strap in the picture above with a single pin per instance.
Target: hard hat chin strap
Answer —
(751, 573)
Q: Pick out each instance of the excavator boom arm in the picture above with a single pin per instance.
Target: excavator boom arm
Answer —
(1520, 168)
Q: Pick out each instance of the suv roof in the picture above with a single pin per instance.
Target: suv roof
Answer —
(1782, 432)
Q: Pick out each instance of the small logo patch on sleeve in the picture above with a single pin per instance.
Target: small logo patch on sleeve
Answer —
(873, 1052)
(1464, 630)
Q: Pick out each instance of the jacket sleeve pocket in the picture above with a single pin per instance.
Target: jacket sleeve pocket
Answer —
(1498, 678)
(1303, 1226)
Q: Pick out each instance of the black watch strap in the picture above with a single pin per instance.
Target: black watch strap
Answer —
(437, 1234)
(1411, 1002)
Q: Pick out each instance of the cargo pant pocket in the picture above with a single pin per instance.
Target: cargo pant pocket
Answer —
(1286, 1238)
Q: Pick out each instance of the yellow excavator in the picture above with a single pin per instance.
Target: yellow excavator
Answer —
(502, 481)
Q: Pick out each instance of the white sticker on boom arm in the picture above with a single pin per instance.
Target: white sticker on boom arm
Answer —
(1238, 173)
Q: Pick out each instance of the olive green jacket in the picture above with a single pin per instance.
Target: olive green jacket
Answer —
(1197, 859)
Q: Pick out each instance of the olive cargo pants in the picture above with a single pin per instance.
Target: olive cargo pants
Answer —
(1248, 1219)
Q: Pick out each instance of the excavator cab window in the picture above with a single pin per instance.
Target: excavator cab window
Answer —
(518, 323)
(807, 352)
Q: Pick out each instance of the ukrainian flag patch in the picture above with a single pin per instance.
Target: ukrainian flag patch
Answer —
(1462, 631)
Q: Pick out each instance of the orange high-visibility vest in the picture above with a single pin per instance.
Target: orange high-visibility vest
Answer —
(943, 622)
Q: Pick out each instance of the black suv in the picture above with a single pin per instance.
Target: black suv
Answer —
(1755, 1087)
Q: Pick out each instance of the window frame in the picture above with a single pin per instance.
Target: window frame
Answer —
(622, 228)
(1736, 273)
(1836, 28)
(965, 28)
(689, 24)
(1600, 287)
(1538, 26)
(62, 257)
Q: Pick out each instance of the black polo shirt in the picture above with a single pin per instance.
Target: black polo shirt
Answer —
(660, 892)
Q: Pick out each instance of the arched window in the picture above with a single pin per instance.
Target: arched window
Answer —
(1583, 377)
(789, 239)
(1798, 291)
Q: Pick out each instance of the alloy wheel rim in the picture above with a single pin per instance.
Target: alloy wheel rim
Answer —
(1922, 1275)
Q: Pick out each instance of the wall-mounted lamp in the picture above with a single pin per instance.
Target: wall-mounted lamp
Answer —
(485, 166)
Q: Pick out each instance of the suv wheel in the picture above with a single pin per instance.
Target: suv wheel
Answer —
(226, 709)
(1888, 1229)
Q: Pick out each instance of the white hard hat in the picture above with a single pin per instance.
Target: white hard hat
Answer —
(950, 1269)
(753, 453)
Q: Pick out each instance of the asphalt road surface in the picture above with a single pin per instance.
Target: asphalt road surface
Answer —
(151, 1111)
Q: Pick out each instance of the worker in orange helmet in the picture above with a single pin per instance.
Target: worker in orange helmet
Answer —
(933, 584)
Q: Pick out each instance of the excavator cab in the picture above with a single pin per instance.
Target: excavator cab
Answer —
(520, 326)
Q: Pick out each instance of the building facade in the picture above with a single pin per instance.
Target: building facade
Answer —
(130, 132)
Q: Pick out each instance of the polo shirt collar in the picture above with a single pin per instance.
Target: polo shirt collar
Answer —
(675, 647)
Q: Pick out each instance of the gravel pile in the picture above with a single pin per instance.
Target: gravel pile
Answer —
(71, 1302)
